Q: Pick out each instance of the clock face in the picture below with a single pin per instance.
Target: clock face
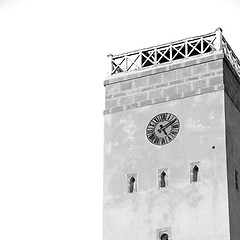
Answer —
(163, 128)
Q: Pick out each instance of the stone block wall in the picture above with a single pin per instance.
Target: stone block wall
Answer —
(164, 83)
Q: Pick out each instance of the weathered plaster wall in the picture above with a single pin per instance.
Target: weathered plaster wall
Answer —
(193, 211)
(232, 108)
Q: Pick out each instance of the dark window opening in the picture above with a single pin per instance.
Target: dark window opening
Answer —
(194, 175)
(164, 237)
(163, 179)
(132, 183)
(236, 179)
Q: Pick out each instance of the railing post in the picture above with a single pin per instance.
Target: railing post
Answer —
(126, 63)
(186, 49)
(155, 56)
(140, 60)
(218, 44)
(109, 64)
(170, 48)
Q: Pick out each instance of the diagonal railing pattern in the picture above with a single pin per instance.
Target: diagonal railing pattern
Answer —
(231, 56)
(182, 49)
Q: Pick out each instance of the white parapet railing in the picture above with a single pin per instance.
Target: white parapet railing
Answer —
(183, 49)
(231, 56)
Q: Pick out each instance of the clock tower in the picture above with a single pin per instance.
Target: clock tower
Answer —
(172, 142)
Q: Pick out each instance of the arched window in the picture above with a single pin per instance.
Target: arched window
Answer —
(163, 179)
(195, 173)
(132, 183)
(163, 233)
(164, 236)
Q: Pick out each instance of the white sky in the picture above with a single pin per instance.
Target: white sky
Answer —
(52, 68)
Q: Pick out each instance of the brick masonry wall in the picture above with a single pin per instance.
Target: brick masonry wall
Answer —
(173, 81)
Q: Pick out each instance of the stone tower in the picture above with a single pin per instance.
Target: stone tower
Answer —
(172, 142)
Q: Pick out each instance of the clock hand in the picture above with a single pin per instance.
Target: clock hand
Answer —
(162, 128)
(168, 124)
(164, 132)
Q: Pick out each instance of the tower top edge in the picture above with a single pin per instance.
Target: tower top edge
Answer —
(180, 50)
(163, 44)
